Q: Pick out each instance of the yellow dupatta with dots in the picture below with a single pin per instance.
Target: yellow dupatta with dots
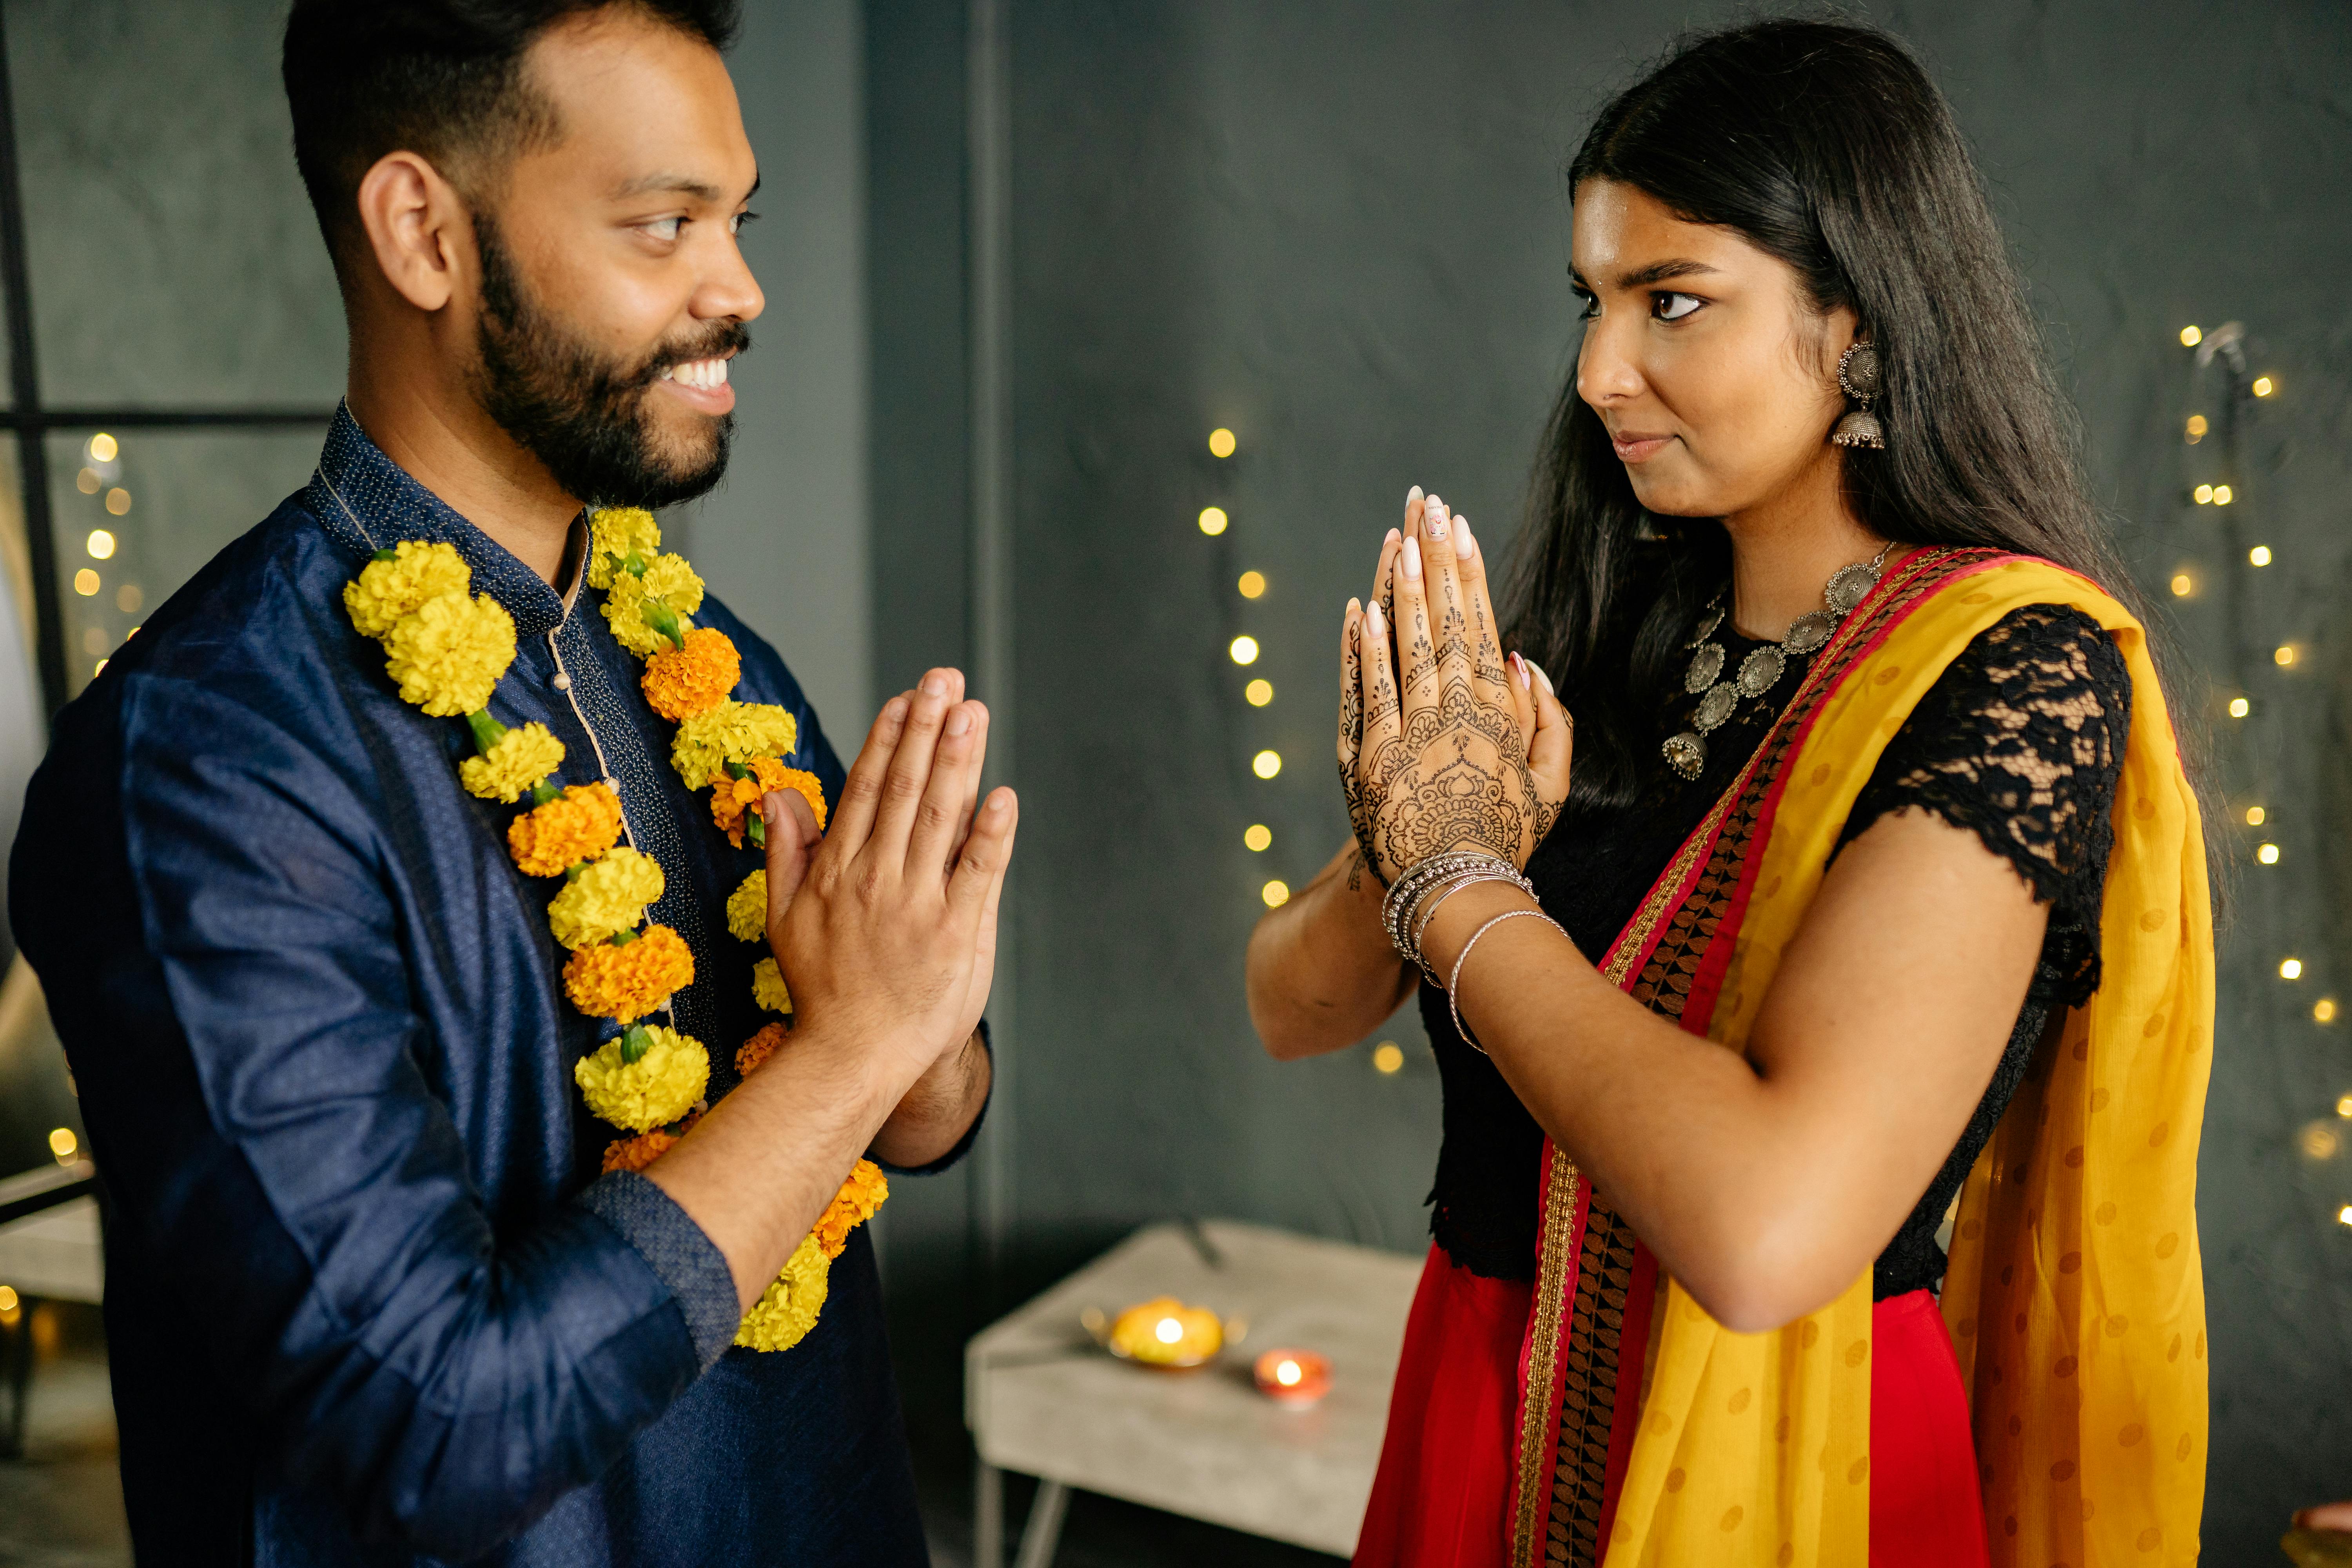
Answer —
(2075, 1292)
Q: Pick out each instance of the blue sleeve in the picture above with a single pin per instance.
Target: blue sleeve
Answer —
(230, 981)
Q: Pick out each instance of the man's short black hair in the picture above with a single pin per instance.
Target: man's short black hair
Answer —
(442, 78)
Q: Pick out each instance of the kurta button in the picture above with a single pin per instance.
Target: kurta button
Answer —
(563, 681)
(613, 784)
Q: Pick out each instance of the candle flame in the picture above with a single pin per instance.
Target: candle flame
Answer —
(1287, 1374)
(1168, 1331)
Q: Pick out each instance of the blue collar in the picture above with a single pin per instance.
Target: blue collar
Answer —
(368, 502)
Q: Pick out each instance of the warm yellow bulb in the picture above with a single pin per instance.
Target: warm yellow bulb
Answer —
(85, 581)
(2197, 428)
(97, 669)
(2324, 1011)
(2263, 386)
(2259, 555)
(1221, 442)
(1260, 692)
(2223, 495)
(88, 482)
(62, 1143)
(1168, 1330)
(1387, 1056)
(2319, 1143)
(2239, 707)
(1253, 585)
(1275, 893)
(2190, 337)
(2283, 655)
(1266, 765)
(1244, 650)
(2344, 1106)
(2255, 815)
(118, 500)
(2267, 853)
(1258, 835)
(2181, 584)
(7, 1298)
(2290, 969)
(2202, 495)
(1213, 520)
(2344, 1215)
(100, 544)
(103, 448)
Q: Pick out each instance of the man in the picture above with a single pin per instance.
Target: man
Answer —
(369, 1299)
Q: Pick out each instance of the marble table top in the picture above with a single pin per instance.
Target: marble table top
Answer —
(1042, 1398)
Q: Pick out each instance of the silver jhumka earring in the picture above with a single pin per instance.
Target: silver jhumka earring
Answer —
(1857, 377)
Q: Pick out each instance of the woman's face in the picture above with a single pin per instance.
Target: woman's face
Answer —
(1714, 375)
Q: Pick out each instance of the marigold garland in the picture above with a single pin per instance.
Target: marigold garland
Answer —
(512, 764)
(768, 987)
(758, 1048)
(732, 798)
(629, 976)
(579, 825)
(605, 898)
(447, 651)
(693, 677)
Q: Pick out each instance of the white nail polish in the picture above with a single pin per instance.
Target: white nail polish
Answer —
(1464, 545)
(1413, 558)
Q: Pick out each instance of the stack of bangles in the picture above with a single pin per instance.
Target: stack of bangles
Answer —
(1412, 901)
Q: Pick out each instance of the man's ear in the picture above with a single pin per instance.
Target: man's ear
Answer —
(418, 228)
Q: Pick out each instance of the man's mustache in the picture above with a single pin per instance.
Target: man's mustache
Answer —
(728, 337)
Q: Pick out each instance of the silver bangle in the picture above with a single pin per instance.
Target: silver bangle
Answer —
(1417, 880)
(1454, 979)
(1426, 910)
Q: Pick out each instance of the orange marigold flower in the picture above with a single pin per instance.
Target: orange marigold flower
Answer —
(627, 983)
(681, 682)
(578, 824)
(858, 1198)
(637, 1153)
(730, 797)
(758, 1048)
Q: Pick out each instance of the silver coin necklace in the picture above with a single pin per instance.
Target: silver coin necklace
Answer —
(1758, 673)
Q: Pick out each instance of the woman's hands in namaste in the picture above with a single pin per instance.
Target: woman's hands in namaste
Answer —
(1444, 742)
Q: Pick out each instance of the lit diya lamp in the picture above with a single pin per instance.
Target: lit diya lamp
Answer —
(1162, 1333)
(1293, 1377)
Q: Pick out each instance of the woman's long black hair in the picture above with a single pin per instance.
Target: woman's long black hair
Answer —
(1824, 144)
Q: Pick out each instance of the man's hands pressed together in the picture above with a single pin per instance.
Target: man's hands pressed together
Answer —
(885, 932)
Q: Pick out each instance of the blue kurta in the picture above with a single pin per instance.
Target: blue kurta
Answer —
(368, 1298)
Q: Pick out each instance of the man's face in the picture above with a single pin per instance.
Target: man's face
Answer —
(613, 291)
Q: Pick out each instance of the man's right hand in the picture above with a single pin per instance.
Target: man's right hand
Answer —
(886, 932)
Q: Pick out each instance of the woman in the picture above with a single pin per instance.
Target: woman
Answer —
(1872, 783)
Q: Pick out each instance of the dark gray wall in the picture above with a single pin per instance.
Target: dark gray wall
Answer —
(1339, 229)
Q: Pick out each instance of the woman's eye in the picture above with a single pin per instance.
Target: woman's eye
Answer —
(735, 225)
(663, 229)
(1590, 306)
(1673, 307)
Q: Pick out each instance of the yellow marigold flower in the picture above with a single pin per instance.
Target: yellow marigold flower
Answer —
(657, 1087)
(768, 987)
(608, 898)
(637, 1153)
(732, 798)
(747, 909)
(386, 590)
(683, 681)
(758, 1048)
(865, 1191)
(666, 578)
(731, 732)
(508, 770)
(617, 530)
(787, 1310)
(626, 983)
(578, 824)
(448, 653)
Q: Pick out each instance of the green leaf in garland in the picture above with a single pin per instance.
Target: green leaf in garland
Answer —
(385, 556)
(636, 1041)
(662, 619)
(544, 791)
(487, 732)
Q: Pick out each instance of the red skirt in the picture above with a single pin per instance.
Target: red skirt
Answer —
(1445, 1479)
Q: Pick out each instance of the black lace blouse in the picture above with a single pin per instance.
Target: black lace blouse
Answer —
(2021, 741)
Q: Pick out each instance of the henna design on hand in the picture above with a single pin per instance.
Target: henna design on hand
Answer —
(1454, 778)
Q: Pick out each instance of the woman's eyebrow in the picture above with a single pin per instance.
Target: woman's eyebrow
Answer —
(1660, 271)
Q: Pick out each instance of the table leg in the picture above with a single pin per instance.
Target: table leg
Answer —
(987, 1515)
(1044, 1531)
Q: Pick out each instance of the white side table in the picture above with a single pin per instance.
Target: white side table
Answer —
(1043, 1399)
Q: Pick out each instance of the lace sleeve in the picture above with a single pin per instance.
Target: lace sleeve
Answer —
(2021, 741)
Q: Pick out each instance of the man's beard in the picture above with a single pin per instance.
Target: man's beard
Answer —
(585, 416)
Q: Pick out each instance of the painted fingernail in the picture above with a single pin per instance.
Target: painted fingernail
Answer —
(1541, 676)
(1412, 495)
(1433, 520)
(1465, 546)
(1393, 538)
(1373, 619)
(1520, 666)
(960, 722)
(1413, 558)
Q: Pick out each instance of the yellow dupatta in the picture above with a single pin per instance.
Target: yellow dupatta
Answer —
(2074, 1292)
